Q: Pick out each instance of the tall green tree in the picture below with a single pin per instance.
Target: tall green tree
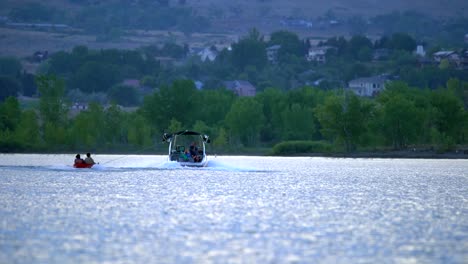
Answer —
(448, 114)
(344, 119)
(52, 105)
(400, 119)
(245, 120)
(290, 44)
(180, 101)
(139, 132)
(298, 122)
(10, 114)
(27, 132)
(10, 66)
(9, 86)
(273, 102)
(216, 104)
(124, 95)
(249, 51)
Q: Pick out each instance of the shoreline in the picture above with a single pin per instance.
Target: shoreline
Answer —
(375, 154)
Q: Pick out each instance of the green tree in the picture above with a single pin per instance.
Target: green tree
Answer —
(402, 41)
(115, 131)
(10, 114)
(88, 128)
(10, 66)
(249, 51)
(217, 104)
(27, 131)
(344, 119)
(52, 106)
(221, 141)
(273, 102)
(123, 95)
(175, 126)
(96, 77)
(139, 132)
(362, 45)
(9, 86)
(448, 114)
(290, 44)
(179, 101)
(245, 120)
(298, 123)
(401, 121)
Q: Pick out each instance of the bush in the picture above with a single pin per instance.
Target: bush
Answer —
(301, 147)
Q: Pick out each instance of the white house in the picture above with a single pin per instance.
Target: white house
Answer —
(318, 54)
(369, 86)
(420, 51)
(209, 53)
(241, 88)
(445, 54)
(272, 53)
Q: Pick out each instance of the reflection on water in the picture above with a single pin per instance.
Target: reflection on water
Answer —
(238, 209)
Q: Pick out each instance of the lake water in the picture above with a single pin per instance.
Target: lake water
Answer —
(142, 209)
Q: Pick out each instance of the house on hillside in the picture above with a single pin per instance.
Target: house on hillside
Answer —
(209, 53)
(464, 60)
(381, 54)
(138, 86)
(450, 55)
(318, 54)
(369, 86)
(40, 56)
(241, 88)
(420, 51)
(272, 53)
(77, 107)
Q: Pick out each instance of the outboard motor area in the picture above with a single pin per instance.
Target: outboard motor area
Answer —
(166, 137)
(206, 139)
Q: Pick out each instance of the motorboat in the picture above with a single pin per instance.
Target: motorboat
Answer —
(188, 148)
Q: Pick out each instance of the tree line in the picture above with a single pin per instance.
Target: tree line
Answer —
(399, 117)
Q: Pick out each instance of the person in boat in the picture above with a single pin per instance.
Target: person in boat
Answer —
(88, 159)
(194, 152)
(78, 159)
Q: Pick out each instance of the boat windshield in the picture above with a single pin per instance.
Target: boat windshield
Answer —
(183, 142)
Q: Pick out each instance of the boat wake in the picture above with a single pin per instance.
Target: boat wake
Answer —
(213, 165)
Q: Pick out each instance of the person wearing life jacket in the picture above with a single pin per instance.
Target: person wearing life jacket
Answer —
(88, 159)
(78, 159)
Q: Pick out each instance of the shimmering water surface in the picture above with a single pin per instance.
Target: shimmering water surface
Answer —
(142, 209)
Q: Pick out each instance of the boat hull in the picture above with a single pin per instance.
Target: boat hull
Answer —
(203, 163)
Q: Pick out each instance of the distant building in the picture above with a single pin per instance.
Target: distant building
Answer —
(445, 54)
(369, 86)
(77, 107)
(40, 56)
(420, 51)
(296, 23)
(381, 54)
(318, 54)
(466, 38)
(198, 84)
(209, 54)
(272, 53)
(241, 88)
(134, 83)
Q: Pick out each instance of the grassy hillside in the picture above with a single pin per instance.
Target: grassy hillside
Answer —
(313, 8)
(271, 8)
